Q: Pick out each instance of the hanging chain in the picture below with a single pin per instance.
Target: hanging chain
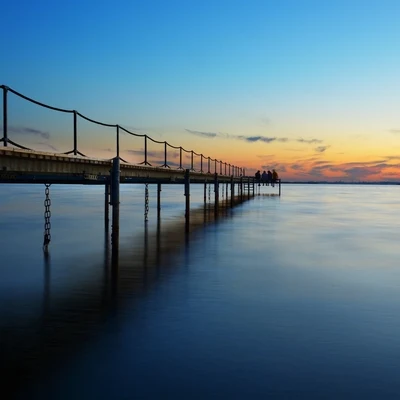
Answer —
(146, 202)
(47, 215)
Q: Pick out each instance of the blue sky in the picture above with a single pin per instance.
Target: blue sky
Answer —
(323, 70)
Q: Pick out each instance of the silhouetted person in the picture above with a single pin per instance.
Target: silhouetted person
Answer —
(274, 177)
(258, 176)
(264, 178)
(269, 179)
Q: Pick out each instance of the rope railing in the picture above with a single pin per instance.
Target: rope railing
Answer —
(205, 167)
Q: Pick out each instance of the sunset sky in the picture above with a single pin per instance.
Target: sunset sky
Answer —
(309, 87)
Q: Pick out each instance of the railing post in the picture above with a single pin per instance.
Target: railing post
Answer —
(201, 163)
(75, 134)
(220, 167)
(165, 156)
(191, 168)
(145, 162)
(5, 124)
(118, 141)
(225, 168)
(215, 166)
(180, 158)
(209, 165)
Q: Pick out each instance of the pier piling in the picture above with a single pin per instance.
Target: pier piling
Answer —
(115, 181)
(187, 199)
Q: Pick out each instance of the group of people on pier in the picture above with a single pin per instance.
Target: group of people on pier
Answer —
(267, 178)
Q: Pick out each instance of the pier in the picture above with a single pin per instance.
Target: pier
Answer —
(20, 164)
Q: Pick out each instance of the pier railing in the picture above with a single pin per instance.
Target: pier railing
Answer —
(207, 164)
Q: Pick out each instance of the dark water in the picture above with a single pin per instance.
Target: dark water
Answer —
(291, 297)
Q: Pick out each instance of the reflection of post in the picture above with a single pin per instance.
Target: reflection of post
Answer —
(46, 286)
(145, 254)
(158, 201)
(279, 187)
(216, 194)
(106, 206)
(248, 188)
(205, 192)
(115, 177)
(187, 195)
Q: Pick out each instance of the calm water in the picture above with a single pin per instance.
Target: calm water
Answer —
(291, 297)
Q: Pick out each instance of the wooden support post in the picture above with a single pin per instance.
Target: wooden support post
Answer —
(106, 206)
(205, 192)
(115, 178)
(232, 190)
(158, 201)
(248, 187)
(254, 185)
(216, 194)
(187, 195)
(279, 187)
(241, 188)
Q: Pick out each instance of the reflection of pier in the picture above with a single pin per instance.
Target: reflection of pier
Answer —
(65, 325)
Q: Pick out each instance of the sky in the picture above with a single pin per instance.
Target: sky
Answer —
(308, 87)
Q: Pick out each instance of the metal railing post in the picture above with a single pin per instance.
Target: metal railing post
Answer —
(75, 151)
(5, 124)
(118, 141)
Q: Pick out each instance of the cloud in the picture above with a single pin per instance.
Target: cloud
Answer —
(249, 139)
(321, 149)
(203, 134)
(309, 141)
(396, 131)
(24, 130)
(297, 167)
(264, 139)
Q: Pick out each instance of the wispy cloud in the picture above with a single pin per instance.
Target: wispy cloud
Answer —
(25, 130)
(309, 141)
(249, 139)
(203, 134)
(321, 149)
(395, 131)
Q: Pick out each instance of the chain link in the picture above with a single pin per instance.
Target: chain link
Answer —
(47, 216)
(146, 202)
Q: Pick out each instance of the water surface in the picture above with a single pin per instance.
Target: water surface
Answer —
(290, 297)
